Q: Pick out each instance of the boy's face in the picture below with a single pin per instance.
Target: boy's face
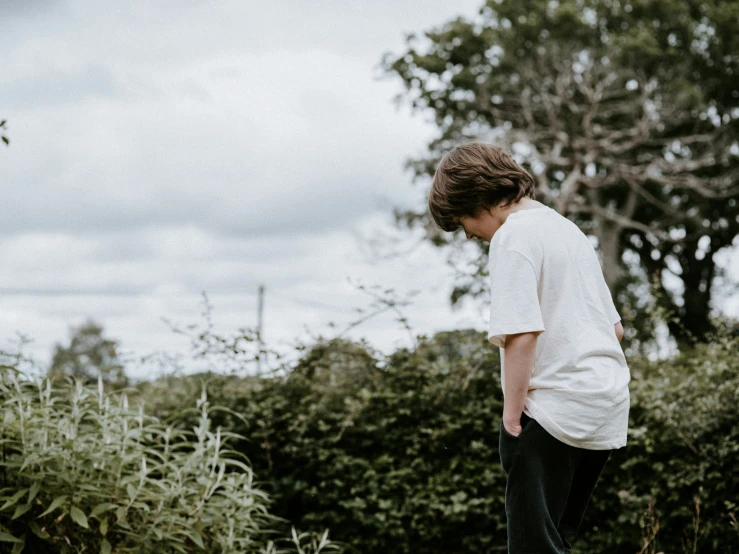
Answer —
(482, 226)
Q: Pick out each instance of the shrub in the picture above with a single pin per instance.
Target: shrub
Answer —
(675, 485)
(400, 454)
(83, 472)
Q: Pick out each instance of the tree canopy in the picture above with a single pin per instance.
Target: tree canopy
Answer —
(627, 114)
(88, 356)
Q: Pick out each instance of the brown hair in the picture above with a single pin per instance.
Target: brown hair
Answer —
(475, 176)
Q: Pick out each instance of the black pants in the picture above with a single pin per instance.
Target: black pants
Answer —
(549, 486)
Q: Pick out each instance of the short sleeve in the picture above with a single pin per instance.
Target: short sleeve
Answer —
(514, 298)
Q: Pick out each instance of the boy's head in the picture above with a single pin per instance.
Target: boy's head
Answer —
(472, 177)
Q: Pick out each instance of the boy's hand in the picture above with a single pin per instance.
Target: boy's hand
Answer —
(513, 426)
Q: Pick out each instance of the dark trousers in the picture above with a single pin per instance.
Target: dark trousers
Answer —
(549, 486)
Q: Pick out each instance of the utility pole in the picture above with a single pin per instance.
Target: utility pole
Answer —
(260, 309)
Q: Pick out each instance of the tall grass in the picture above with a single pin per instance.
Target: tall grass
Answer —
(82, 471)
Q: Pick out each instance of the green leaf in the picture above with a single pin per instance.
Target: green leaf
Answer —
(79, 517)
(34, 491)
(58, 501)
(105, 547)
(18, 547)
(104, 526)
(131, 491)
(100, 508)
(4, 537)
(13, 499)
(195, 536)
(5, 140)
(20, 510)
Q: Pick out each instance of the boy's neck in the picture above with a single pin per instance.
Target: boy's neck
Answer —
(525, 203)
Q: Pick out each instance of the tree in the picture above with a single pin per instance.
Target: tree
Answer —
(88, 356)
(626, 112)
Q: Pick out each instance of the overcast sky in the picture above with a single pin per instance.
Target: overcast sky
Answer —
(161, 149)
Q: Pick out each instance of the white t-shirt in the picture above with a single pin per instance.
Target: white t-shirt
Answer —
(545, 276)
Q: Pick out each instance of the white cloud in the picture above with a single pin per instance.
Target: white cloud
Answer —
(277, 142)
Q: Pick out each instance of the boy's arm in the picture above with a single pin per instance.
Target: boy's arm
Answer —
(516, 321)
(619, 331)
(520, 356)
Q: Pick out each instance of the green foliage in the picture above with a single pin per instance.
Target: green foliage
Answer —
(677, 474)
(83, 472)
(392, 455)
(400, 454)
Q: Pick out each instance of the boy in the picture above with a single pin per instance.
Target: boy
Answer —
(563, 372)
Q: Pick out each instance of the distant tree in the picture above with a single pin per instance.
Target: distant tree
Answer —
(87, 356)
(626, 112)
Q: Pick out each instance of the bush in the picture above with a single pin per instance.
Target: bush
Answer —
(675, 485)
(83, 472)
(400, 454)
